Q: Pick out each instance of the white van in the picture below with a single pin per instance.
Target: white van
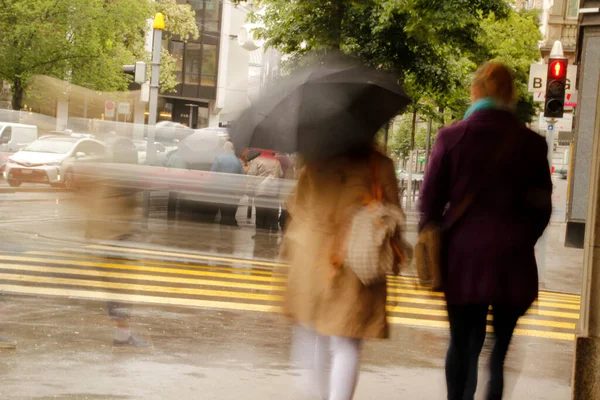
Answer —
(14, 137)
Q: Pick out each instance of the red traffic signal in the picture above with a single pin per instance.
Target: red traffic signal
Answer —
(558, 69)
(555, 87)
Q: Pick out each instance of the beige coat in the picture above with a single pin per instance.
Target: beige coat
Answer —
(334, 304)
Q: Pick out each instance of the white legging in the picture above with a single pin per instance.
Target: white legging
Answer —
(313, 351)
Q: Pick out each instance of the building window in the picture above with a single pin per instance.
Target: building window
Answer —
(193, 63)
(572, 8)
(176, 50)
(209, 65)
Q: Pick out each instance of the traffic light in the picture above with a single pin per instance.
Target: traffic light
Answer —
(138, 71)
(555, 87)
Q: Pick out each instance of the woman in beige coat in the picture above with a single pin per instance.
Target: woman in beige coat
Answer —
(330, 304)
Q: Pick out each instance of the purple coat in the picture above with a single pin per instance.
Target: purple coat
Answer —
(489, 253)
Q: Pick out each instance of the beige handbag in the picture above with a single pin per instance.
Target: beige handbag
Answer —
(372, 248)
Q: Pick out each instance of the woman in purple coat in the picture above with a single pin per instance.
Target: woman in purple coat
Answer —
(488, 253)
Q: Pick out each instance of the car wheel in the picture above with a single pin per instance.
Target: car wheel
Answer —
(69, 182)
(14, 182)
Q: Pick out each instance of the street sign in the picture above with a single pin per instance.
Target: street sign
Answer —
(570, 98)
(124, 108)
(109, 109)
(538, 74)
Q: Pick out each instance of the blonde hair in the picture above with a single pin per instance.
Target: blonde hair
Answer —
(495, 80)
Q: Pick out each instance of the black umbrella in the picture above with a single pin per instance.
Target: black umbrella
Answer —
(321, 111)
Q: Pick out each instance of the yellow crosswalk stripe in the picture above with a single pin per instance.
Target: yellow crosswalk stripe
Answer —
(141, 288)
(135, 298)
(405, 279)
(138, 277)
(184, 255)
(115, 265)
(153, 277)
(254, 271)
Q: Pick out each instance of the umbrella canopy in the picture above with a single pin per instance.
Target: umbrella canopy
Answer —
(200, 147)
(321, 111)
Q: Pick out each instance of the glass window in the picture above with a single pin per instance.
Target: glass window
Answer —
(90, 148)
(572, 8)
(211, 15)
(209, 65)
(193, 63)
(177, 49)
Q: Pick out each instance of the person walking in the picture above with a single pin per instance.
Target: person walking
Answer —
(265, 190)
(228, 163)
(333, 310)
(488, 251)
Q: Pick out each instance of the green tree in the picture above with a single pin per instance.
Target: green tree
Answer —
(514, 42)
(83, 41)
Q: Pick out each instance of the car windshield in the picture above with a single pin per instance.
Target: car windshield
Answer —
(51, 146)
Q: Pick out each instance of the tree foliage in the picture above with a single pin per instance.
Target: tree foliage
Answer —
(432, 46)
(85, 42)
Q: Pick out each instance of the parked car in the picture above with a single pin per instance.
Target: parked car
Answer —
(167, 131)
(50, 160)
(14, 137)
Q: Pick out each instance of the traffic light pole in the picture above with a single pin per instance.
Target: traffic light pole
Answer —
(158, 28)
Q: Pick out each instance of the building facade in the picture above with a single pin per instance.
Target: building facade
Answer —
(213, 71)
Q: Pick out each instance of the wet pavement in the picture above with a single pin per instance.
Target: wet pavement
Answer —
(207, 297)
(65, 352)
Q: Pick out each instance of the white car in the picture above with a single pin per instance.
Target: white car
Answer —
(50, 160)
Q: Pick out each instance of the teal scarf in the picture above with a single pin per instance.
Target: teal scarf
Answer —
(481, 104)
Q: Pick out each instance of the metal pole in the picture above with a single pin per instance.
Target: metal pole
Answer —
(159, 26)
(543, 242)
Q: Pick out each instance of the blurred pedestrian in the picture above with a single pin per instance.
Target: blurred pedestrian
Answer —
(333, 309)
(228, 163)
(266, 190)
(245, 161)
(488, 251)
(112, 206)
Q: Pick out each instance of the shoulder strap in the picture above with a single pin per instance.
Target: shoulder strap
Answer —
(376, 189)
(508, 140)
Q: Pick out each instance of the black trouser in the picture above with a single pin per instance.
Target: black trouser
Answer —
(267, 219)
(467, 334)
(228, 212)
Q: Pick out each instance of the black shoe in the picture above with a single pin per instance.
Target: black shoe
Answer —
(131, 341)
(6, 343)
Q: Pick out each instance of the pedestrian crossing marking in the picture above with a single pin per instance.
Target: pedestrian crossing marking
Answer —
(254, 271)
(115, 265)
(185, 255)
(137, 277)
(139, 287)
(82, 275)
(136, 298)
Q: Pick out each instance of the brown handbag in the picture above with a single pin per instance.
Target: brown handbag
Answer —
(428, 250)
